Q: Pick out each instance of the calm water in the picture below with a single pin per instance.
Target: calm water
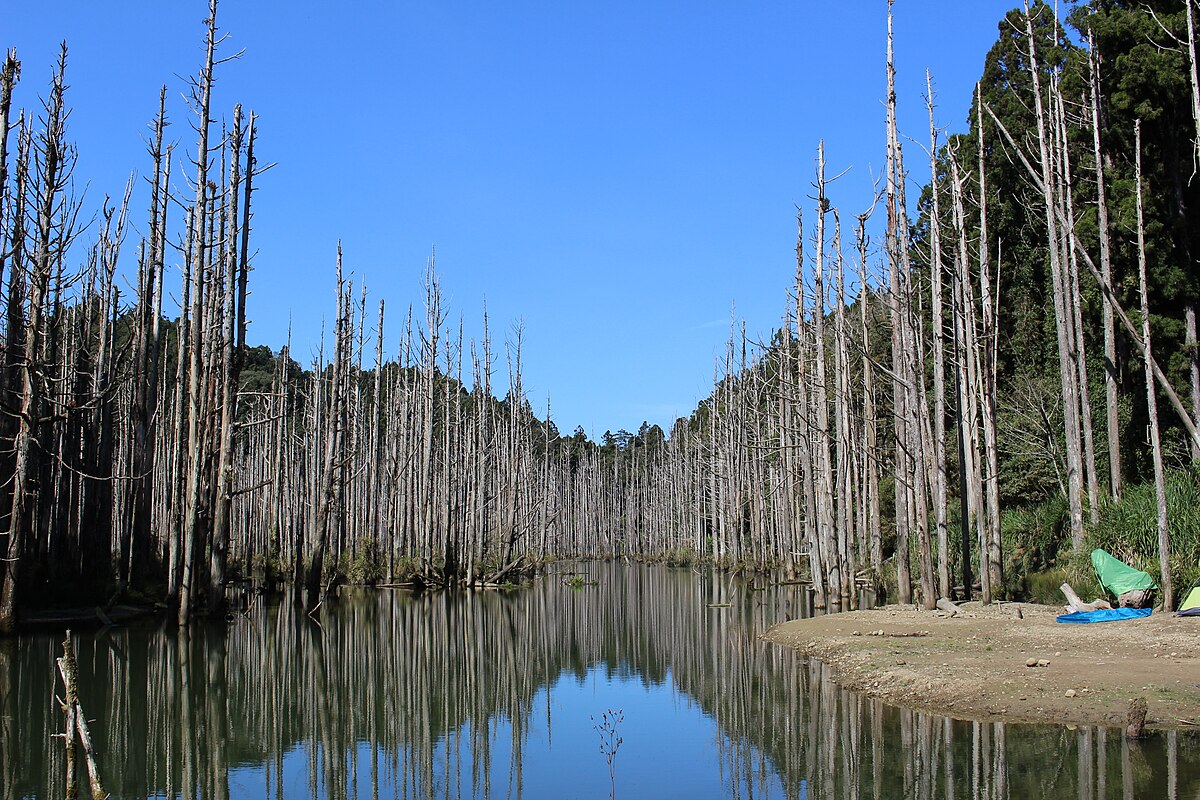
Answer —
(494, 695)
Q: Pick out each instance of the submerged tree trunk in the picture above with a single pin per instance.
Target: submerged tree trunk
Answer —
(328, 482)
(200, 242)
(52, 232)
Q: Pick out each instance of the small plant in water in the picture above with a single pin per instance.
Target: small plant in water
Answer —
(610, 742)
(578, 582)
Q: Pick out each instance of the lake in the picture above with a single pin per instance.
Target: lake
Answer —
(504, 694)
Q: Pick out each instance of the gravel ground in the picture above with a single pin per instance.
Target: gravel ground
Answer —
(976, 665)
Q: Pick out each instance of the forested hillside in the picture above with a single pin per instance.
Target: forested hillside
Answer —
(997, 360)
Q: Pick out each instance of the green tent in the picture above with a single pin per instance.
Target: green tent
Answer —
(1190, 607)
(1117, 577)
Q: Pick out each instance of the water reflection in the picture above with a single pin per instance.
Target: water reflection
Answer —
(491, 694)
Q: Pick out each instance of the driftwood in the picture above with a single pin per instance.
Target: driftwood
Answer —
(1075, 605)
(945, 604)
(1138, 598)
(77, 726)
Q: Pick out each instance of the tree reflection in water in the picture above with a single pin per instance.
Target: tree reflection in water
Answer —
(453, 695)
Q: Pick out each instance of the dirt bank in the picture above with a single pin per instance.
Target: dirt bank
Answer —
(973, 666)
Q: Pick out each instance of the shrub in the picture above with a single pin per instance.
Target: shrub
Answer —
(1037, 544)
(1129, 529)
(681, 557)
(364, 566)
(1032, 538)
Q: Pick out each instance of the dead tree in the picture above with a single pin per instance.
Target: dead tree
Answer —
(1111, 366)
(235, 264)
(53, 219)
(1160, 488)
(988, 342)
(201, 244)
(1066, 344)
(937, 335)
(330, 465)
(896, 237)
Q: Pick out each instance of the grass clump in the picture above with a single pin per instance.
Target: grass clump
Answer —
(681, 557)
(1129, 529)
(1037, 540)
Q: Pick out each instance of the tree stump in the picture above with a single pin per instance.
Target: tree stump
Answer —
(1136, 719)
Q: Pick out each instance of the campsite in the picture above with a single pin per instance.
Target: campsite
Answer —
(1082, 664)
(975, 665)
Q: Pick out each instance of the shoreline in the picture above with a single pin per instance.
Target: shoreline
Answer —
(974, 666)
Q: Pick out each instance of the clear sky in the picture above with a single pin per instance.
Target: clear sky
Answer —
(618, 176)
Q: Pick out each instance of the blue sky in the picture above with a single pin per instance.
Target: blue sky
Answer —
(617, 176)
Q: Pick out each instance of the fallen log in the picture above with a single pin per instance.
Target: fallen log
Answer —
(945, 604)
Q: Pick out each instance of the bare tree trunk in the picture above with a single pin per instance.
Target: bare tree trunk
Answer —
(987, 374)
(1111, 367)
(200, 248)
(1160, 488)
(10, 73)
(895, 238)
(803, 436)
(1067, 367)
(146, 383)
(178, 454)
(873, 526)
(327, 485)
(820, 400)
(1193, 354)
(229, 361)
(52, 178)
(1076, 315)
(940, 479)
(968, 383)
(1194, 80)
(845, 483)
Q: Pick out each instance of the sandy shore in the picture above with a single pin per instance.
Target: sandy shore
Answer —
(973, 666)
